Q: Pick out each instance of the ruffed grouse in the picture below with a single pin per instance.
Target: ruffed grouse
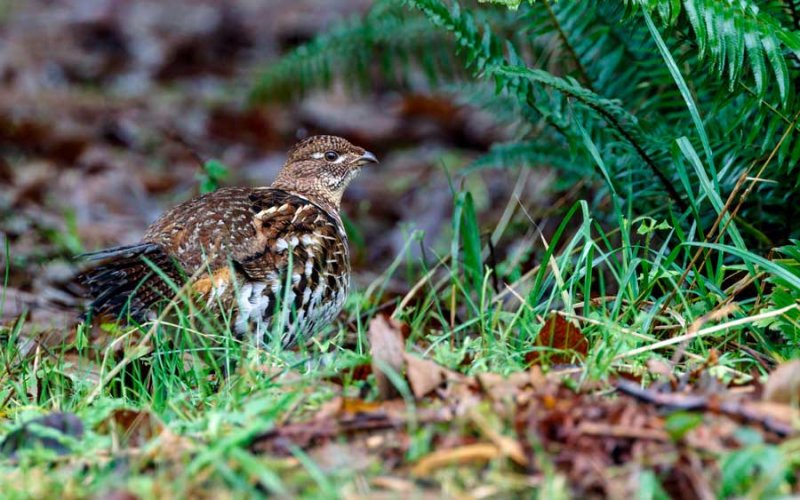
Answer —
(242, 246)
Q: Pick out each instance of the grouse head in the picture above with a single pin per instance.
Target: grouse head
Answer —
(321, 167)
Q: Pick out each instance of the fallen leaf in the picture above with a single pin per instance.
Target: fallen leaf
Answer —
(773, 416)
(387, 350)
(558, 340)
(478, 452)
(133, 427)
(499, 387)
(51, 432)
(783, 384)
(332, 457)
(394, 484)
(621, 431)
(352, 406)
(170, 447)
(661, 368)
(509, 447)
(425, 375)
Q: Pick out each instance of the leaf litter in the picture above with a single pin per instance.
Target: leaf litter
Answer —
(102, 164)
(599, 435)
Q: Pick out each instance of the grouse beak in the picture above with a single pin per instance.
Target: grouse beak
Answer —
(366, 158)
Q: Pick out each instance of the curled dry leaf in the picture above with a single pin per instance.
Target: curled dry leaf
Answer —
(499, 387)
(387, 351)
(425, 375)
(558, 342)
(783, 385)
(478, 452)
(388, 356)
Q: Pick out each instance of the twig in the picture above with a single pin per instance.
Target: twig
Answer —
(764, 166)
(633, 333)
(739, 183)
(709, 331)
(696, 402)
(621, 431)
(720, 312)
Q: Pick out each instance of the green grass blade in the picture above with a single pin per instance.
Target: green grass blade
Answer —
(684, 90)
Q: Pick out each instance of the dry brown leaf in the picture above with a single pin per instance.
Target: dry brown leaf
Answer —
(770, 414)
(497, 386)
(510, 447)
(478, 452)
(621, 431)
(394, 484)
(170, 447)
(783, 385)
(330, 408)
(394, 487)
(387, 350)
(660, 367)
(331, 457)
(425, 375)
(132, 427)
(561, 338)
(350, 405)
(500, 387)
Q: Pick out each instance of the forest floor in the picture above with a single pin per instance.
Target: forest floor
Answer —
(438, 378)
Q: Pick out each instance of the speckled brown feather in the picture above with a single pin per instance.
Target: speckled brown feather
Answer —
(243, 245)
(252, 232)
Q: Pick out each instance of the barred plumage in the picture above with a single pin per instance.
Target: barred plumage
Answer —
(243, 246)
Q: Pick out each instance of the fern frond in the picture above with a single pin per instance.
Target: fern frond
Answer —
(522, 154)
(486, 57)
(349, 50)
(732, 32)
(793, 6)
(727, 32)
(573, 74)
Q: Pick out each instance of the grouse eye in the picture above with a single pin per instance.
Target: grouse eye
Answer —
(331, 155)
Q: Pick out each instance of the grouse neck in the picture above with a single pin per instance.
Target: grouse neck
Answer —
(327, 204)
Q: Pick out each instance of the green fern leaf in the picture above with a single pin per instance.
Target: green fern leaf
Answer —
(732, 32)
